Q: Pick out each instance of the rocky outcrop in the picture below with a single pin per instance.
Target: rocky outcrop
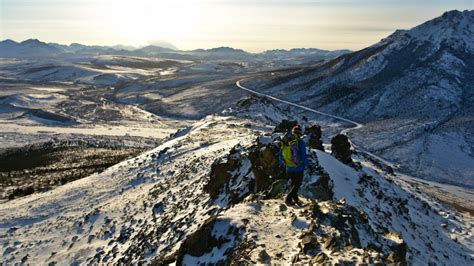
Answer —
(322, 188)
(332, 232)
(398, 248)
(330, 227)
(341, 148)
(221, 174)
(200, 242)
(314, 137)
(252, 100)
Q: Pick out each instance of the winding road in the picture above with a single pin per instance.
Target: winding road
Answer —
(356, 124)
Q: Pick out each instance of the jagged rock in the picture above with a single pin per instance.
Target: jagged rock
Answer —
(341, 148)
(308, 243)
(285, 126)
(220, 174)
(322, 188)
(332, 243)
(320, 258)
(295, 258)
(314, 137)
(263, 257)
(282, 207)
(158, 208)
(200, 242)
(398, 246)
(315, 210)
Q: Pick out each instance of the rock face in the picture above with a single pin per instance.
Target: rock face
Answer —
(308, 243)
(322, 188)
(220, 174)
(314, 137)
(341, 148)
(200, 242)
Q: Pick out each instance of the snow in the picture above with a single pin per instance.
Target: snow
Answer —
(407, 89)
(451, 64)
(98, 130)
(79, 220)
(119, 191)
(296, 105)
(58, 73)
(146, 206)
(33, 100)
(448, 154)
(267, 225)
(416, 230)
(344, 177)
(48, 89)
(452, 25)
(368, 68)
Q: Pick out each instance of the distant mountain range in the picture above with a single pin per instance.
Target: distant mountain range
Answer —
(414, 91)
(36, 48)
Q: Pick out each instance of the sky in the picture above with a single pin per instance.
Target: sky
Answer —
(252, 25)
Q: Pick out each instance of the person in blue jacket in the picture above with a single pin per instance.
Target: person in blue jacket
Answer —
(294, 158)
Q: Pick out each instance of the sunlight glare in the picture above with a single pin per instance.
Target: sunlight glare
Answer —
(143, 20)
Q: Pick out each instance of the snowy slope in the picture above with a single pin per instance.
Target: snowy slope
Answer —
(155, 206)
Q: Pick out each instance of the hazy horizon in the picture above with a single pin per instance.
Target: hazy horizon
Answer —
(253, 26)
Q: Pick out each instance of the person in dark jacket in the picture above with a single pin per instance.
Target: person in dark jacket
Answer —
(294, 158)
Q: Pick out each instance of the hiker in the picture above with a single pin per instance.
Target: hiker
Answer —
(293, 158)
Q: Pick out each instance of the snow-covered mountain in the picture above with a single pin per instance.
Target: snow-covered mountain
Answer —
(213, 192)
(304, 55)
(203, 196)
(413, 90)
(31, 47)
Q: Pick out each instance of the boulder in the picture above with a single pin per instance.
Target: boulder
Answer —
(200, 242)
(320, 258)
(263, 257)
(308, 243)
(221, 174)
(341, 148)
(322, 188)
(314, 137)
(398, 247)
(333, 243)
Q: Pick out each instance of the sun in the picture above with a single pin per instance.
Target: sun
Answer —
(142, 20)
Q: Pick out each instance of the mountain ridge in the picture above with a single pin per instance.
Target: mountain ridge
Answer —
(153, 208)
(411, 93)
(9, 49)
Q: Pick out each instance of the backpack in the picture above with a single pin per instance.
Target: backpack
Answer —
(290, 151)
